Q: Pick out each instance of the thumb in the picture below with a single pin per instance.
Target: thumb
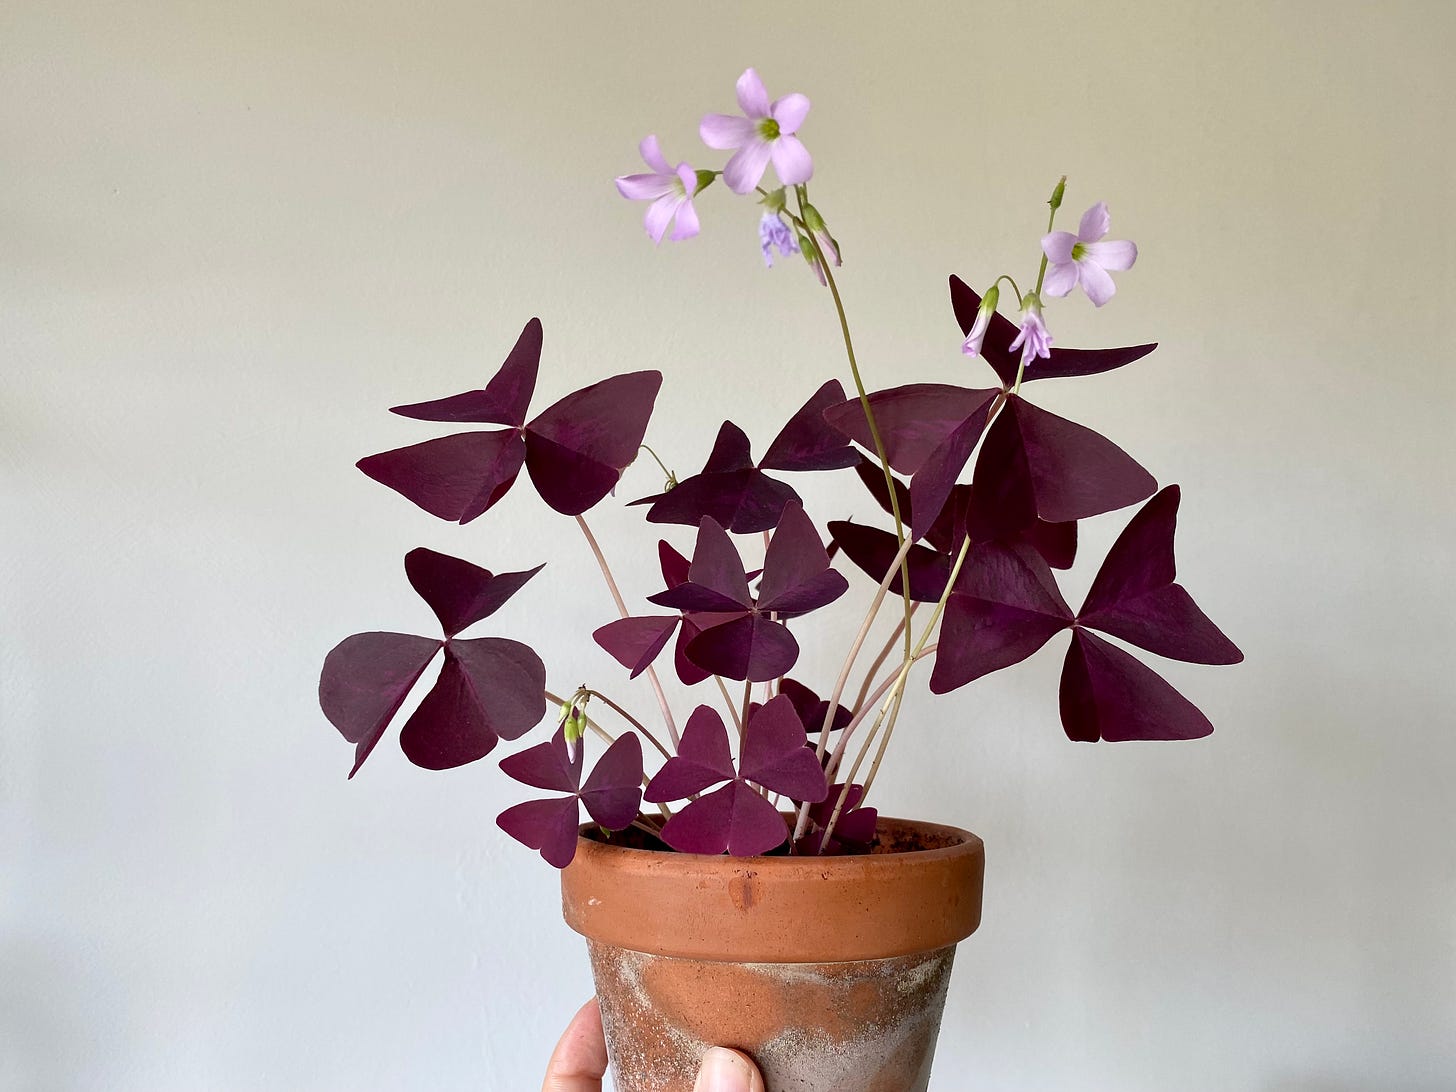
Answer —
(726, 1070)
(580, 1060)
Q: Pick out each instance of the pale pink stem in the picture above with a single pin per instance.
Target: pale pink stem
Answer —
(731, 704)
(884, 655)
(622, 610)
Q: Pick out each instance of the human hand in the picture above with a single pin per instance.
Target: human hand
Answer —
(580, 1061)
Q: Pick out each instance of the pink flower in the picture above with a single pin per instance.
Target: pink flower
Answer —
(972, 345)
(773, 232)
(765, 134)
(670, 191)
(1086, 257)
(1033, 340)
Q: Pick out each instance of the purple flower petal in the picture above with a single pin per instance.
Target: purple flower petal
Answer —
(1118, 254)
(659, 215)
(545, 825)
(792, 163)
(577, 449)
(724, 131)
(489, 688)
(645, 187)
(456, 477)
(790, 112)
(752, 97)
(505, 398)
(1096, 282)
(1095, 223)
(613, 792)
(635, 642)
(460, 593)
(808, 442)
(1107, 694)
(687, 224)
(775, 754)
(1061, 279)
(365, 679)
(652, 155)
(744, 170)
(1057, 246)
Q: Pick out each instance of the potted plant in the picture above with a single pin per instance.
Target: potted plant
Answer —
(734, 843)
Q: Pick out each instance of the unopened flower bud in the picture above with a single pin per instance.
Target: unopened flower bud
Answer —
(972, 345)
(1056, 198)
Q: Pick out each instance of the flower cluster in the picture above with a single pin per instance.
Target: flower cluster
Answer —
(985, 492)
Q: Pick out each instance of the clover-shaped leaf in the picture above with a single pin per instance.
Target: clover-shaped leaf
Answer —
(747, 642)
(734, 491)
(611, 795)
(1005, 606)
(489, 688)
(575, 451)
(854, 830)
(736, 818)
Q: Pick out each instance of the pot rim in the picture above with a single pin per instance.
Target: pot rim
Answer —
(780, 909)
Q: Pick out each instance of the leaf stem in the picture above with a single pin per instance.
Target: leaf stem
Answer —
(629, 718)
(596, 550)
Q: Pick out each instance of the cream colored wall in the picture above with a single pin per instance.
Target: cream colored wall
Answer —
(233, 233)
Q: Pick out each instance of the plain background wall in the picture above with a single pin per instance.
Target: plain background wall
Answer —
(232, 234)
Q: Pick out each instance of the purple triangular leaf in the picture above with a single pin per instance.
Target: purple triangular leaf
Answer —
(913, 420)
(613, 791)
(506, 397)
(489, 688)
(460, 593)
(365, 679)
(735, 818)
(775, 755)
(1005, 605)
(703, 758)
(812, 708)
(873, 477)
(674, 566)
(577, 449)
(716, 578)
(731, 451)
(1108, 694)
(453, 477)
(931, 486)
(1036, 464)
(545, 825)
(1063, 362)
(548, 765)
(796, 573)
(744, 501)
(751, 647)
(873, 550)
(1056, 542)
(808, 442)
(1134, 597)
(635, 642)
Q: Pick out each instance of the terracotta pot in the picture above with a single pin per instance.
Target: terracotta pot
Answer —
(831, 972)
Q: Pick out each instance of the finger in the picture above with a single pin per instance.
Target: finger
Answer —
(725, 1070)
(580, 1060)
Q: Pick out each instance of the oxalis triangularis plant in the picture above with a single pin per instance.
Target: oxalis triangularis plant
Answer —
(981, 555)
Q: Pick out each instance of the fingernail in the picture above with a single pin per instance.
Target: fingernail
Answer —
(723, 1071)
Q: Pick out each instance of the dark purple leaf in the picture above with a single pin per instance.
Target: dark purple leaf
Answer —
(716, 578)
(1005, 605)
(1056, 542)
(808, 442)
(548, 765)
(674, 565)
(811, 708)
(873, 551)
(489, 688)
(1036, 464)
(775, 755)
(931, 486)
(1107, 694)
(613, 791)
(365, 679)
(703, 758)
(690, 673)
(545, 825)
(635, 642)
(577, 449)
(735, 818)
(856, 825)
(750, 647)
(454, 477)
(505, 398)
(797, 577)
(873, 477)
(913, 420)
(730, 490)
(1134, 597)
(460, 593)
(1002, 331)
